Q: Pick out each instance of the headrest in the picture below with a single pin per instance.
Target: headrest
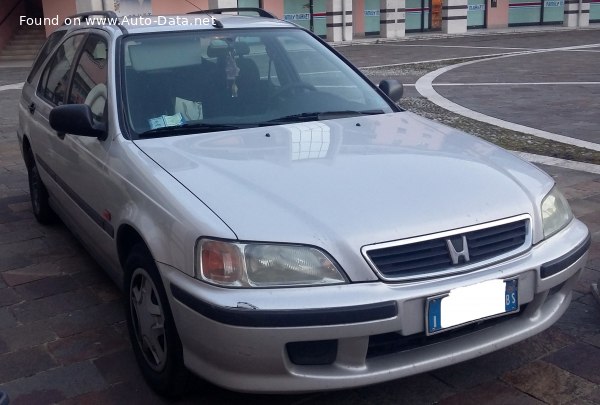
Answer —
(100, 51)
(217, 49)
(241, 48)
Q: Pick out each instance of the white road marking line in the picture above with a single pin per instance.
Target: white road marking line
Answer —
(16, 86)
(489, 56)
(552, 161)
(580, 50)
(442, 60)
(425, 87)
(515, 84)
(463, 46)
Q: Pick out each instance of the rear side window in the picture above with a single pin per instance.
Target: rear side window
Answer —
(50, 44)
(55, 78)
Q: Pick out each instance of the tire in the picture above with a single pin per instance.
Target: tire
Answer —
(39, 197)
(152, 331)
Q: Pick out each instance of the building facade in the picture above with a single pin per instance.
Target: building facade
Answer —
(336, 20)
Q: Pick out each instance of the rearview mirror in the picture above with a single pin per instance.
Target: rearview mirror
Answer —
(392, 88)
(76, 119)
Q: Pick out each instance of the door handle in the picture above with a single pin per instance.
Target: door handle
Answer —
(32, 108)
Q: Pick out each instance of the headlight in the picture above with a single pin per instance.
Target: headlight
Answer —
(556, 213)
(264, 265)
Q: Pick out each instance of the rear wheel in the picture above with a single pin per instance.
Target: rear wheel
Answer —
(152, 331)
(39, 197)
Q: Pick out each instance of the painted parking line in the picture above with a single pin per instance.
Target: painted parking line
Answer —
(16, 86)
(462, 46)
(441, 60)
(552, 161)
(425, 87)
(527, 51)
(517, 84)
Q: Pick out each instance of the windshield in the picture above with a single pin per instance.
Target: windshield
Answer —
(184, 82)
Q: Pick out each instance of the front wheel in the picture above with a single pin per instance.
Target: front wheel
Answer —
(152, 331)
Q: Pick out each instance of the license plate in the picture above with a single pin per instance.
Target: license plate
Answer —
(468, 304)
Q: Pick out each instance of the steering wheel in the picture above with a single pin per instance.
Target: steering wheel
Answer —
(292, 89)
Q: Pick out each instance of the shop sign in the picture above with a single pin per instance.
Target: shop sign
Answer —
(296, 17)
(476, 7)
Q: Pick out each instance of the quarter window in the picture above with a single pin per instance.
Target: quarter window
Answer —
(55, 79)
(50, 44)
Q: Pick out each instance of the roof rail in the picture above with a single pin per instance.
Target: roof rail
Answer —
(84, 16)
(259, 11)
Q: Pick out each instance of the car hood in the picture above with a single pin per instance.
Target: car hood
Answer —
(345, 183)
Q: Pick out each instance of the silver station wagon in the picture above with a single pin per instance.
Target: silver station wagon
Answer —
(276, 221)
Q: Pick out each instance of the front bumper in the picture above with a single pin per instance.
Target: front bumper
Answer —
(242, 339)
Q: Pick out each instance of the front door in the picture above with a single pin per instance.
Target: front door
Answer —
(74, 166)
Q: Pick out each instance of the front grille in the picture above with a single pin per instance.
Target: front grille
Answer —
(495, 241)
(415, 258)
(431, 256)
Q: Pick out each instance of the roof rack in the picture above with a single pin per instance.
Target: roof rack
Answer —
(84, 16)
(259, 11)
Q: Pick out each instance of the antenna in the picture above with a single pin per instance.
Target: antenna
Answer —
(216, 23)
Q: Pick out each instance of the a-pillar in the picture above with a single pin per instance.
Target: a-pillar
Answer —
(392, 18)
(454, 16)
(573, 18)
(222, 3)
(339, 20)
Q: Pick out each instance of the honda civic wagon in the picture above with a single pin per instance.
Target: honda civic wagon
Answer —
(276, 222)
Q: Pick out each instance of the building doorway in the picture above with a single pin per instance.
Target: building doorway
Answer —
(476, 14)
(423, 15)
(594, 11)
(372, 20)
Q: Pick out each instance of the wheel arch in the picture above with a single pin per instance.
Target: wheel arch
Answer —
(127, 238)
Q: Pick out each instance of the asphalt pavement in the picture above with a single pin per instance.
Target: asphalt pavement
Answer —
(62, 333)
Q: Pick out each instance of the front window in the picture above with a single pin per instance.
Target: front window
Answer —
(91, 77)
(208, 81)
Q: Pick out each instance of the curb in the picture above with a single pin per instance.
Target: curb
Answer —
(474, 33)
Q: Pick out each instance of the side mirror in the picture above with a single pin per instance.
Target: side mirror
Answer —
(392, 88)
(76, 119)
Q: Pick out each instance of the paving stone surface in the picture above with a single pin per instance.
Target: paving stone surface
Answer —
(63, 337)
(549, 383)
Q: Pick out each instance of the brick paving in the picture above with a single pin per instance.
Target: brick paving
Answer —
(63, 338)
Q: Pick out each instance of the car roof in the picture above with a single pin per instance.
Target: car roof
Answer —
(182, 22)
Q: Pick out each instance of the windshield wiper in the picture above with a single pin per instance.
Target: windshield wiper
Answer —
(188, 128)
(322, 115)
